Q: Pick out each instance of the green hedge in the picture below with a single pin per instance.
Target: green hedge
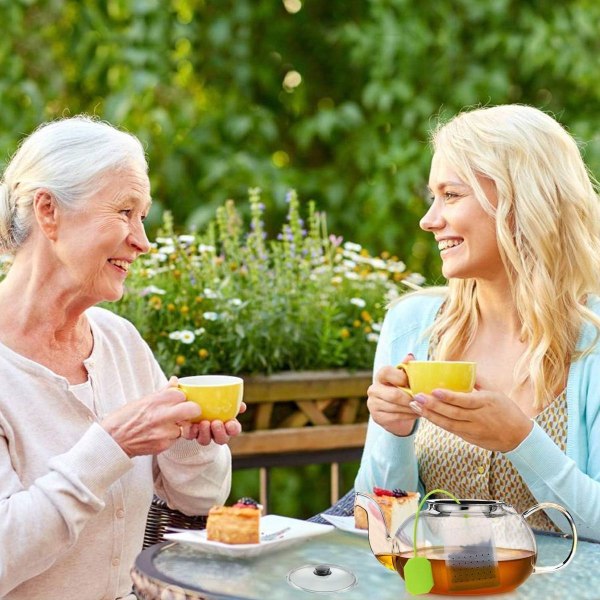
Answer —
(201, 82)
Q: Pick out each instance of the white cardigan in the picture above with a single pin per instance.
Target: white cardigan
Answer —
(73, 505)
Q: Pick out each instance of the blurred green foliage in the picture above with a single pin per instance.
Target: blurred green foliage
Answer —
(332, 98)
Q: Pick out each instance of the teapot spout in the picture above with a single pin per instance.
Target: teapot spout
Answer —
(380, 540)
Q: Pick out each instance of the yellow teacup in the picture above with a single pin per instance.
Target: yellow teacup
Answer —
(219, 396)
(424, 376)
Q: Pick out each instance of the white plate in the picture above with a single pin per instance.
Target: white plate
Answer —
(298, 530)
(344, 523)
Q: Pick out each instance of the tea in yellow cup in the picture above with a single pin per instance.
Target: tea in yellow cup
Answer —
(424, 376)
(219, 396)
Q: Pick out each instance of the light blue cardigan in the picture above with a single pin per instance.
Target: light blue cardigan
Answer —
(571, 480)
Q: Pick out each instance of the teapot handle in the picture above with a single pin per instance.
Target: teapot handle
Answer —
(569, 518)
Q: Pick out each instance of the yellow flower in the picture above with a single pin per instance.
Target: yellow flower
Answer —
(344, 333)
(170, 307)
(184, 310)
(177, 273)
(180, 360)
(356, 323)
(367, 329)
(155, 302)
(199, 299)
(385, 255)
(365, 316)
(203, 353)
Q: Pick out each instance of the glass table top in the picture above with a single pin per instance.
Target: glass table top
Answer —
(206, 576)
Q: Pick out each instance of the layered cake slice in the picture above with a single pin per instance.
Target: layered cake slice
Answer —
(396, 505)
(237, 524)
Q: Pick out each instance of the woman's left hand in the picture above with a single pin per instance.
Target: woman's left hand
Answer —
(206, 432)
(486, 419)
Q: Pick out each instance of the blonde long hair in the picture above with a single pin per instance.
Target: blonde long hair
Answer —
(548, 229)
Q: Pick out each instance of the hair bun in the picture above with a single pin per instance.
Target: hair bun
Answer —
(6, 217)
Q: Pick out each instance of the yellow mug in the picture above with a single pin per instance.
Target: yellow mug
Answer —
(219, 396)
(424, 376)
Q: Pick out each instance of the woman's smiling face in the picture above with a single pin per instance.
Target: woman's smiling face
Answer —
(464, 231)
(98, 243)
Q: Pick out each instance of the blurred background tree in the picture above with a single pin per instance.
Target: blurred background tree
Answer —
(333, 98)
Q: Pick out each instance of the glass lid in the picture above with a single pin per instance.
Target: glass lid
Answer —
(321, 578)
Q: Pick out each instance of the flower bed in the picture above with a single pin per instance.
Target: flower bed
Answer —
(229, 300)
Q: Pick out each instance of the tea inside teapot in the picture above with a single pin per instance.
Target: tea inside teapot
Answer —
(460, 547)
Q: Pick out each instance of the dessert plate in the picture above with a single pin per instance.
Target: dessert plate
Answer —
(292, 532)
(345, 524)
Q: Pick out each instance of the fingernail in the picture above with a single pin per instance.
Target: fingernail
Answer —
(416, 407)
(438, 394)
(420, 398)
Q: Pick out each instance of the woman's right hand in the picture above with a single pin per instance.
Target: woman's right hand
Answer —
(388, 404)
(152, 424)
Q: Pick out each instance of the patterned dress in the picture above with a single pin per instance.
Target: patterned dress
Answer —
(446, 461)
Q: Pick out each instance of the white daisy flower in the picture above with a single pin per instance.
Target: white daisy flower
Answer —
(152, 289)
(164, 240)
(200, 331)
(235, 302)
(208, 293)
(373, 337)
(175, 335)
(187, 336)
(416, 278)
(352, 247)
(186, 239)
(210, 316)
(358, 302)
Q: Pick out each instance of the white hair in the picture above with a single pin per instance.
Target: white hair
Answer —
(68, 158)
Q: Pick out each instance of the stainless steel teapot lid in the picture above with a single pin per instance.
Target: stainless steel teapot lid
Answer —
(485, 507)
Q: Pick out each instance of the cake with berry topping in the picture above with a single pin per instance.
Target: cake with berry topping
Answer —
(237, 524)
(396, 505)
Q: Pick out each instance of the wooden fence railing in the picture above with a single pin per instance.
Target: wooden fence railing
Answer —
(311, 417)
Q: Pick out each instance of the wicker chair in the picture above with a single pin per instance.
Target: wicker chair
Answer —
(161, 516)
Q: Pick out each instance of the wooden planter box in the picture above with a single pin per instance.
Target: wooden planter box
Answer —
(297, 418)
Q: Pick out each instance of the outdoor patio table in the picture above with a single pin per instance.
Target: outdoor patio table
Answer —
(173, 571)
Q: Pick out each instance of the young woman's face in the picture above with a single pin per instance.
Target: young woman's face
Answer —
(98, 243)
(465, 233)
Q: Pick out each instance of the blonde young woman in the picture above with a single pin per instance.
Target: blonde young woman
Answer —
(517, 221)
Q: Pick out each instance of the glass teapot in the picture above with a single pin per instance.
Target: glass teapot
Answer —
(460, 547)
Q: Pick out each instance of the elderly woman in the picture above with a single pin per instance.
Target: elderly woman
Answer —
(517, 222)
(89, 425)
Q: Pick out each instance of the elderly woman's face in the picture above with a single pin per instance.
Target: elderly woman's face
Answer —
(98, 243)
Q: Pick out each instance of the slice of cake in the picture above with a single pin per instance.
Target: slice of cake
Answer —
(396, 505)
(237, 524)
